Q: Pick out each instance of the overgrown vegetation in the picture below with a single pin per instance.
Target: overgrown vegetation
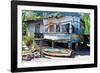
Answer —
(27, 40)
(86, 18)
(26, 16)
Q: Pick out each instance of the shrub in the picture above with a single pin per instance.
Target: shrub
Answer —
(27, 40)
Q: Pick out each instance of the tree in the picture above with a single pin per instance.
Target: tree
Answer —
(86, 18)
(31, 15)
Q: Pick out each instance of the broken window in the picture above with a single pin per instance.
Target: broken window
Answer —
(66, 27)
(57, 28)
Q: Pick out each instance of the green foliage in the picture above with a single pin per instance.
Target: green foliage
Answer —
(31, 15)
(27, 40)
(86, 18)
(28, 15)
(24, 28)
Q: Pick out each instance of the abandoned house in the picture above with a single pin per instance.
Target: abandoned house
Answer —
(56, 31)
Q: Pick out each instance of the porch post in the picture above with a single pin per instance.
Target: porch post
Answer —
(41, 49)
(70, 45)
(52, 44)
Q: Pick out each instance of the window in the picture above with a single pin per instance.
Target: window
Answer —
(57, 28)
(66, 27)
(77, 27)
(63, 28)
(73, 29)
(37, 28)
(51, 28)
(46, 29)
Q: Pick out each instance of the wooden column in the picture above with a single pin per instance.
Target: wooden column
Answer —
(41, 49)
(52, 44)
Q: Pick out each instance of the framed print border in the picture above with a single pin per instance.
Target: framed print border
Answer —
(14, 35)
